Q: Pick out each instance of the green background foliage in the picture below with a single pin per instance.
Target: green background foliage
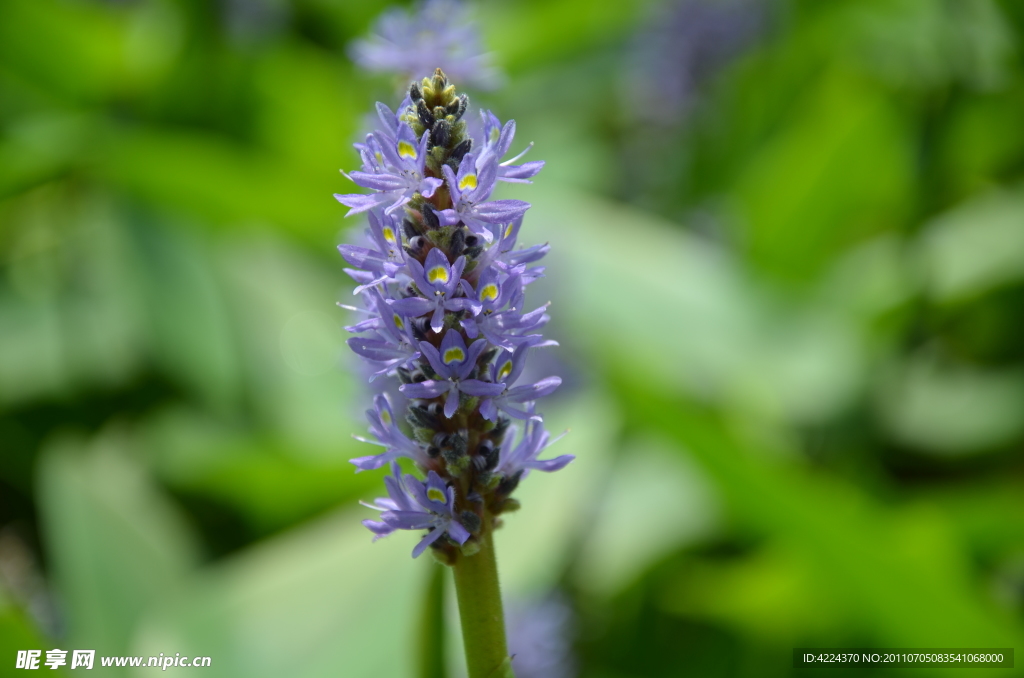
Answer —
(789, 305)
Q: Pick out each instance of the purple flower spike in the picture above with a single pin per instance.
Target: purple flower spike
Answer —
(444, 321)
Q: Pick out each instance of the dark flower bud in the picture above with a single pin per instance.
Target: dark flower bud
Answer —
(498, 433)
(460, 151)
(458, 243)
(508, 485)
(470, 521)
(410, 228)
(419, 329)
(508, 505)
(490, 454)
(488, 355)
(457, 108)
(473, 252)
(423, 113)
(430, 217)
(418, 416)
(459, 442)
(403, 375)
(414, 92)
(451, 458)
(440, 135)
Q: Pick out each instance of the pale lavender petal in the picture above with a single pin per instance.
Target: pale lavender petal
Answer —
(475, 387)
(424, 389)
(427, 540)
(451, 403)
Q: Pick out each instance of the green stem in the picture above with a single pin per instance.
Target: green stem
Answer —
(483, 621)
(431, 650)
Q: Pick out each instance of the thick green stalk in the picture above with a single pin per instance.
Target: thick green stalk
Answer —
(483, 621)
(431, 652)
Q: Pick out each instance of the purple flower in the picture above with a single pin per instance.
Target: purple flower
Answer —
(522, 458)
(470, 189)
(384, 261)
(508, 329)
(392, 343)
(412, 504)
(505, 257)
(506, 370)
(491, 294)
(384, 428)
(397, 176)
(496, 142)
(439, 280)
(453, 364)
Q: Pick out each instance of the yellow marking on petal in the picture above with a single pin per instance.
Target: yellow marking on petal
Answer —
(489, 292)
(436, 494)
(379, 157)
(385, 416)
(389, 234)
(495, 134)
(454, 354)
(399, 323)
(437, 273)
(505, 370)
(468, 180)
(406, 150)
(508, 230)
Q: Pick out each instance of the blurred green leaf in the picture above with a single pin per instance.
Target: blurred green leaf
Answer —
(71, 315)
(90, 37)
(900, 574)
(539, 541)
(292, 341)
(269, 480)
(321, 600)
(685, 315)
(929, 44)
(207, 176)
(656, 502)
(955, 410)
(975, 247)
(837, 171)
(532, 32)
(115, 542)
